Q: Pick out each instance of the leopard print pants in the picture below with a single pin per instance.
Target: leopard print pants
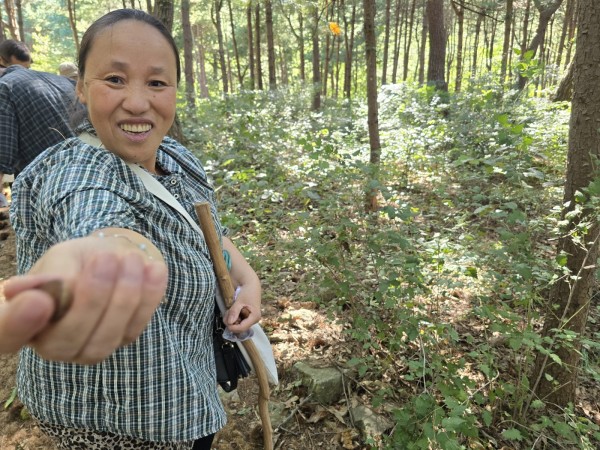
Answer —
(79, 439)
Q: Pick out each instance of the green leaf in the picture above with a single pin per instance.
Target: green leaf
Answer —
(487, 417)
(512, 434)
(11, 399)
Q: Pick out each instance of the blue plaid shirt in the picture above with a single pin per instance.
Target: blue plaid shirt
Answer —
(35, 112)
(162, 387)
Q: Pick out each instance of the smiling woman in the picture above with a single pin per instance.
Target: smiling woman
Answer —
(130, 364)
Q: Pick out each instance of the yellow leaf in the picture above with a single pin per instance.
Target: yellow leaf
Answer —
(335, 28)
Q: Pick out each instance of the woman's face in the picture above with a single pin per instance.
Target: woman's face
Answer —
(129, 87)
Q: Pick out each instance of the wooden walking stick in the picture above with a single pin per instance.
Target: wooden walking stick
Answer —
(227, 290)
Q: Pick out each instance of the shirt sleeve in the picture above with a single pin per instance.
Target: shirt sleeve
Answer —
(9, 131)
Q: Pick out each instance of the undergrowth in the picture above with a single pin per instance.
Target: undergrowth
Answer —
(440, 291)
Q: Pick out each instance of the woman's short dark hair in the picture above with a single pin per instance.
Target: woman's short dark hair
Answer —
(19, 50)
(111, 19)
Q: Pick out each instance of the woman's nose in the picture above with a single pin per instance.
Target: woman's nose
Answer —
(137, 99)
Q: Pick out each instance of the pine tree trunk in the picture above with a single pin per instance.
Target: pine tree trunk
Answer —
(188, 66)
(202, 78)
(218, 5)
(12, 19)
(270, 45)
(259, 77)
(397, 36)
(553, 382)
(316, 62)
(460, 17)
(301, 46)
(251, 65)
(349, 45)
(408, 39)
(163, 11)
(508, 18)
(236, 53)
(371, 202)
(72, 22)
(437, 45)
(423, 47)
(386, 41)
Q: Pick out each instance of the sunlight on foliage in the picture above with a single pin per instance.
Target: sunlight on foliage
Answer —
(439, 293)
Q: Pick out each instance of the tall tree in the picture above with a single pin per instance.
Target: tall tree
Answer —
(19, 8)
(259, 77)
(236, 53)
(349, 46)
(73, 22)
(386, 40)
(437, 45)
(508, 19)
(546, 10)
(188, 57)
(555, 379)
(270, 44)
(217, 6)
(251, 67)
(423, 46)
(371, 202)
(316, 60)
(11, 19)
(459, 10)
(202, 78)
(164, 11)
(408, 30)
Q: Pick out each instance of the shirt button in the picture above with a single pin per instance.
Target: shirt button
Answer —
(176, 195)
(173, 181)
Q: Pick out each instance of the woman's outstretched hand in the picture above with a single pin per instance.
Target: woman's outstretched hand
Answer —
(114, 288)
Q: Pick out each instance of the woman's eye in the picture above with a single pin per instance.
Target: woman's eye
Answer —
(113, 79)
(157, 83)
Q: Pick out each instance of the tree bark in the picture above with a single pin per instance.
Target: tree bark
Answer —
(371, 202)
(202, 78)
(188, 58)
(508, 18)
(163, 11)
(349, 45)
(386, 41)
(437, 45)
(564, 92)
(423, 47)
(236, 53)
(11, 19)
(19, 8)
(459, 10)
(218, 4)
(259, 80)
(251, 65)
(316, 61)
(553, 382)
(270, 45)
(408, 39)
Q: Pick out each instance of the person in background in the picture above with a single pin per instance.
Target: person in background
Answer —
(35, 111)
(14, 53)
(121, 369)
(69, 70)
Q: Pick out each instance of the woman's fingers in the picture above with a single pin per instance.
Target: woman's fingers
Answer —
(125, 298)
(92, 292)
(22, 318)
(153, 291)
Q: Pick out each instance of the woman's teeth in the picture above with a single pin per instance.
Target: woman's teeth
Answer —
(136, 128)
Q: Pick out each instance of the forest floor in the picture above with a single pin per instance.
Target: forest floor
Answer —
(295, 337)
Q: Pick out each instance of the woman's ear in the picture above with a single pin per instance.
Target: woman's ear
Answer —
(79, 91)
